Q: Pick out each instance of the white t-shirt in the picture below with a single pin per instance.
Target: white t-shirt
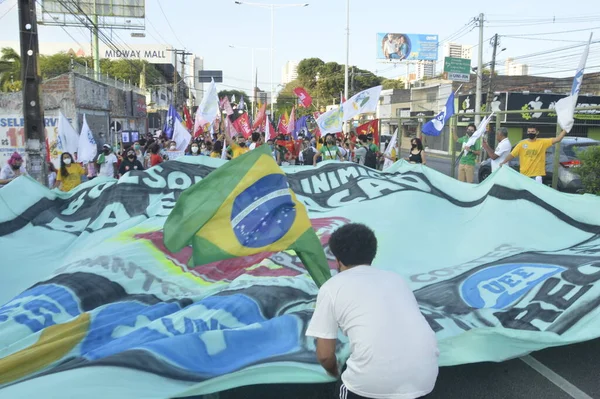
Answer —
(394, 351)
(7, 172)
(502, 150)
(107, 168)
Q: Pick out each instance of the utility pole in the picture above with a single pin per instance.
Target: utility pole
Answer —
(184, 55)
(488, 102)
(479, 72)
(35, 145)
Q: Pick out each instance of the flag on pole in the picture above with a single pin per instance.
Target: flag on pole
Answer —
(242, 104)
(388, 151)
(188, 118)
(565, 107)
(370, 129)
(331, 121)
(68, 139)
(434, 127)
(181, 136)
(291, 127)
(87, 150)
(241, 123)
(170, 122)
(208, 110)
(364, 102)
(302, 127)
(283, 124)
(303, 97)
(479, 132)
(267, 129)
(260, 118)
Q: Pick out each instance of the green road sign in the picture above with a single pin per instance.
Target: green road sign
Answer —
(458, 69)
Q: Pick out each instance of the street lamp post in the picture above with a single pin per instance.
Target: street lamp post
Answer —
(253, 71)
(272, 7)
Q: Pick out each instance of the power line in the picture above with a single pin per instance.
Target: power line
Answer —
(169, 23)
(7, 11)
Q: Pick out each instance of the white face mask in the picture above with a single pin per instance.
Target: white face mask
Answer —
(172, 148)
(67, 161)
(194, 149)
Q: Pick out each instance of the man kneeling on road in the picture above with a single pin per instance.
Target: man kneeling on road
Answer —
(394, 350)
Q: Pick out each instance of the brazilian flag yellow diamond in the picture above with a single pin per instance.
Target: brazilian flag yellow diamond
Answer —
(243, 208)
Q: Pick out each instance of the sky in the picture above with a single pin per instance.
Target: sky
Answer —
(207, 28)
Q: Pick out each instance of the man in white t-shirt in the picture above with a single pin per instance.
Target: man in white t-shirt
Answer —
(502, 149)
(394, 350)
(108, 162)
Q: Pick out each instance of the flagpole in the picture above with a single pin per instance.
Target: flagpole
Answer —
(458, 89)
(347, 57)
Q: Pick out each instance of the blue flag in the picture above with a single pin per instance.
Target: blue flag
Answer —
(434, 127)
(170, 122)
(301, 127)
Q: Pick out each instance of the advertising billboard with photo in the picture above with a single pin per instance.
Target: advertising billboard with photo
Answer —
(406, 47)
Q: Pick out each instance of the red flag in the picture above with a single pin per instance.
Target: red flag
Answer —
(188, 118)
(291, 127)
(370, 128)
(303, 96)
(242, 125)
(283, 124)
(292, 146)
(260, 118)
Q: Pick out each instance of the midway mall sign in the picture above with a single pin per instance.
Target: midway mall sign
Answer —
(154, 54)
(530, 104)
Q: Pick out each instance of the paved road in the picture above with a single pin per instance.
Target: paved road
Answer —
(557, 373)
(441, 163)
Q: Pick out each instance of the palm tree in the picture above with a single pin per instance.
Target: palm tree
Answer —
(10, 70)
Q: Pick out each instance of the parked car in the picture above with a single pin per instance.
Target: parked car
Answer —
(568, 179)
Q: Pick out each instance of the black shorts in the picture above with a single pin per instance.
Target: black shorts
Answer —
(346, 394)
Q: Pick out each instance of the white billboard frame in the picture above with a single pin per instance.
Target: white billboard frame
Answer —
(115, 14)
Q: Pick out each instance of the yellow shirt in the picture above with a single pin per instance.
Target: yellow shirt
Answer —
(73, 179)
(533, 156)
(215, 155)
(393, 155)
(236, 150)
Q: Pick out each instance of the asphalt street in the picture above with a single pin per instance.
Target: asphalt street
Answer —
(556, 373)
(441, 163)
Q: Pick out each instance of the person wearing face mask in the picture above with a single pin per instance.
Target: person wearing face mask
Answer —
(532, 153)
(329, 151)
(236, 149)
(130, 162)
(138, 150)
(417, 152)
(13, 169)
(466, 167)
(69, 173)
(194, 149)
(108, 162)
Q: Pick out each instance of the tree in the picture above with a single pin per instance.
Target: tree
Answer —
(590, 169)
(230, 93)
(392, 84)
(10, 70)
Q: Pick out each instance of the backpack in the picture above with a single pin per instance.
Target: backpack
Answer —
(308, 155)
(371, 159)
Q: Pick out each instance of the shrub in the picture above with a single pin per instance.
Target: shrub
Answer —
(590, 169)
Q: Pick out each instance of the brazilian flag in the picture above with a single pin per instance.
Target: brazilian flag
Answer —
(243, 208)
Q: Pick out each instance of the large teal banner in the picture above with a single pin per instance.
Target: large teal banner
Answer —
(93, 305)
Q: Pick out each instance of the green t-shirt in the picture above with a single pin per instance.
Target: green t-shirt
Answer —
(470, 158)
(373, 147)
(329, 152)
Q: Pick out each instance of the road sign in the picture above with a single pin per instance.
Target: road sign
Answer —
(458, 69)
(207, 76)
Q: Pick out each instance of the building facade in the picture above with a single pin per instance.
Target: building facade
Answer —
(456, 50)
(289, 72)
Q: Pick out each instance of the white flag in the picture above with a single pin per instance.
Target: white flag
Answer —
(388, 151)
(209, 108)
(331, 121)
(68, 139)
(565, 107)
(181, 136)
(479, 132)
(86, 150)
(361, 103)
(267, 129)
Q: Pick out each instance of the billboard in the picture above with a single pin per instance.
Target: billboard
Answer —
(406, 47)
(123, 14)
(466, 106)
(531, 103)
